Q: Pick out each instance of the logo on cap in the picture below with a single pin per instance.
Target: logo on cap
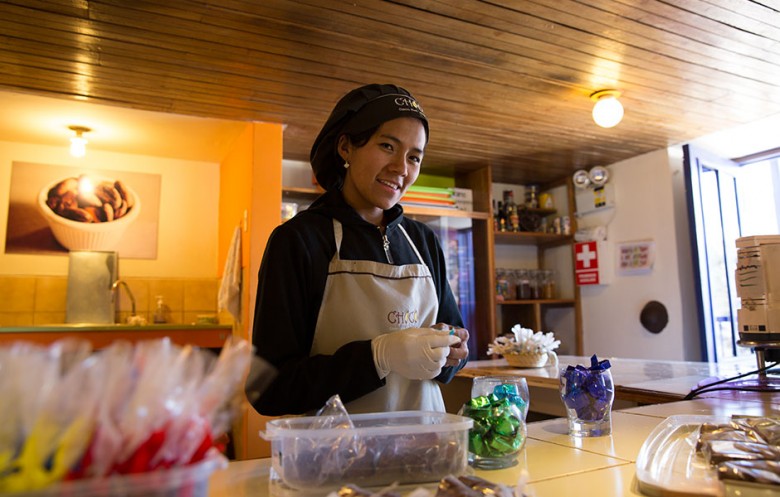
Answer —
(408, 104)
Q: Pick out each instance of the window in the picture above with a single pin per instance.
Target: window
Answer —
(726, 200)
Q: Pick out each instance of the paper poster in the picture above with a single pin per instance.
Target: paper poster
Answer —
(636, 257)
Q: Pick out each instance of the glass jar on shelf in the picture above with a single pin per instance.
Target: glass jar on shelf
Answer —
(536, 289)
(523, 285)
(548, 284)
(502, 285)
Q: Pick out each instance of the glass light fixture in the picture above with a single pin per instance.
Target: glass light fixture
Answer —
(581, 178)
(78, 144)
(607, 111)
(598, 175)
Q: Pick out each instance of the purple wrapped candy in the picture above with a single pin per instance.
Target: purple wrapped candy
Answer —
(588, 391)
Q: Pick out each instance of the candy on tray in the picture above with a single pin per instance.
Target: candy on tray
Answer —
(746, 449)
(449, 486)
(766, 472)
(351, 490)
(716, 451)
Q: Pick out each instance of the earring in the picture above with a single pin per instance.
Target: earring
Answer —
(346, 164)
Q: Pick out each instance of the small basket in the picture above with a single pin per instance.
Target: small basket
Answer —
(527, 360)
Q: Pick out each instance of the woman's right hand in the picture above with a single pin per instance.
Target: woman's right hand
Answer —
(415, 353)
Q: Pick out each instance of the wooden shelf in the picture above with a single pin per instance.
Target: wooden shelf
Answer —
(533, 313)
(415, 210)
(549, 302)
(312, 193)
(301, 193)
(532, 238)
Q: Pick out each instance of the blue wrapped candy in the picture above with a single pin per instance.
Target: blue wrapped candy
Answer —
(589, 391)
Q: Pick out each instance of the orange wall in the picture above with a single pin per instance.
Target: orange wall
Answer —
(250, 196)
(235, 189)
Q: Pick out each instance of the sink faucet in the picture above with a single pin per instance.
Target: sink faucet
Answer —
(116, 284)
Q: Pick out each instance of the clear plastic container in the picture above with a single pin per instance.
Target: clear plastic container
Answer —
(667, 463)
(186, 481)
(382, 448)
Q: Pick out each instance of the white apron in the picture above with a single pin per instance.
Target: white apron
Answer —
(364, 299)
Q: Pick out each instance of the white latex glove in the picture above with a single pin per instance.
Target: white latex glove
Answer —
(415, 353)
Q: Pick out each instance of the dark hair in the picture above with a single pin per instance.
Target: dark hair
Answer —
(358, 114)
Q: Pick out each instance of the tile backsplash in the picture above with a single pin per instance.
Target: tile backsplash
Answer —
(41, 300)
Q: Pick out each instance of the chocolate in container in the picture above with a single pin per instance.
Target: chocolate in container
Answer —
(383, 448)
(674, 458)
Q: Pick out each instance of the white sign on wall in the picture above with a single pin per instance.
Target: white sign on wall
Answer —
(636, 257)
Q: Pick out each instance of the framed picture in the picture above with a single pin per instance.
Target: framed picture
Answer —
(55, 209)
(636, 257)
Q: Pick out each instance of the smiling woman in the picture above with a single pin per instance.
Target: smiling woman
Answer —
(353, 257)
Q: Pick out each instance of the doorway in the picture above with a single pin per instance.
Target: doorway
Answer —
(727, 199)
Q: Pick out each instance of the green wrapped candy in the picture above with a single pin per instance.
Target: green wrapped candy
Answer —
(497, 429)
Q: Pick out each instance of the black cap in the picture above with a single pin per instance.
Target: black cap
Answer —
(359, 110)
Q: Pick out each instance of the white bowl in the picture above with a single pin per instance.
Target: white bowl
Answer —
(76, 235)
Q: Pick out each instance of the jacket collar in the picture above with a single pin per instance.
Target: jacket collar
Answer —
(332, 204)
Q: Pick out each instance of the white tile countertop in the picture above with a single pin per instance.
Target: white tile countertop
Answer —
(637, 381)
(555, 463)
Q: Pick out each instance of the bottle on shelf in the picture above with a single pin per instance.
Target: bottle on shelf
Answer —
(159, 311)
(512, 215)
(501, 213)
(496, 216)
(532, 196)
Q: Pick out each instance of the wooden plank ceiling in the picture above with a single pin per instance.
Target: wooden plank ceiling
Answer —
(504, 82)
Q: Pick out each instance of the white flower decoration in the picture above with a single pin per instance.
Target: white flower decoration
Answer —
(524, 341)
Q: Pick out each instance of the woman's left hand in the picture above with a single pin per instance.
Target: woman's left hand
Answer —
(459, 351)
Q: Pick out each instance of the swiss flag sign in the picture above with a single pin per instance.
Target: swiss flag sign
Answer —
(586, 259)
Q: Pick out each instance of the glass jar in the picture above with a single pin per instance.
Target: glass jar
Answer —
(548, 284)
(588, 395)
(523, 285)
(498, 407)
(502, 285)
(533, 278)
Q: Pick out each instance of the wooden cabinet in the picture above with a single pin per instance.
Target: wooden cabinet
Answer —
(560, 313)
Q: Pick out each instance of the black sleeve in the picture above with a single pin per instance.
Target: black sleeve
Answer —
(289, 293)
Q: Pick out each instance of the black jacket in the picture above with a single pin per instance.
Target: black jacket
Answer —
(290, 291)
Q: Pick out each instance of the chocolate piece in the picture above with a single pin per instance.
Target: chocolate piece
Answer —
(766, 472)
(355, 491)
(716, 451)
(729, 432)
(485, 487)
(451, 486)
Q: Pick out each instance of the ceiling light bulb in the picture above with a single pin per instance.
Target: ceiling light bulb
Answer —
(78, 144)
(608, 111)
